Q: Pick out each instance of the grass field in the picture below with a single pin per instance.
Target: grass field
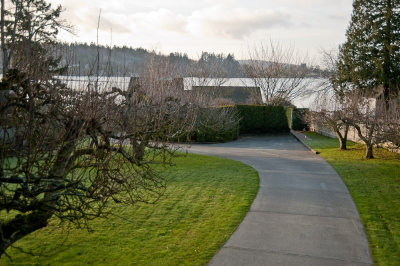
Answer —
(206, 199)
(375, 188)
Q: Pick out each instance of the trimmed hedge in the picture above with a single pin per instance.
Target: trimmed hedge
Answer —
(299, 122)
(256, 119)
(222, 124)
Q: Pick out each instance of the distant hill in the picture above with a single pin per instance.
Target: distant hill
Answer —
(82, 59)
(85, 59)
(311, 71)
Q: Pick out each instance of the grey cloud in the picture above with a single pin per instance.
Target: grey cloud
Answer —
(162, 18)
(85, 17)
(107, 24)
(235, 23)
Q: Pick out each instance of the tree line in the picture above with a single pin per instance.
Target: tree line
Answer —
(82, 60)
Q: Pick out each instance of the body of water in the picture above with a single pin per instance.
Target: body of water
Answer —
(306, 98)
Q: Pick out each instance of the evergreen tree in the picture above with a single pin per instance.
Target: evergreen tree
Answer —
(27, 25)
(370, 57)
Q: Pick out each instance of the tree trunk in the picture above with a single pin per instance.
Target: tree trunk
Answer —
(368, 140)
(21, 226)
(346, 131)
(369, 154)
(342, 142)
(342, 138)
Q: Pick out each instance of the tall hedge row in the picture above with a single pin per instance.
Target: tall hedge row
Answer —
(221, 124)
(256, 119)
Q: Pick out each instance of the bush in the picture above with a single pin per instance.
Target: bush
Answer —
(222, 124)
(216, 124)
(257, 119)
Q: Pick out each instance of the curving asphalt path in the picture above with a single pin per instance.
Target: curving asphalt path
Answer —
(303, 213)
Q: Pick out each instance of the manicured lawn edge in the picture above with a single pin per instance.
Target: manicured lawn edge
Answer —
(297, 136)
(206, 200)
(375, 188)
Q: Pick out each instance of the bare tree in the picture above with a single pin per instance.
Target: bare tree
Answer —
(362, 113)
(207, 72)
(328, 105)
(328, 113)
(68, 153)
(279, 72)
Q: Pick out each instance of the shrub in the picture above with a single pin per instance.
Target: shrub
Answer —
(222, 124)
(216, 124)
(257, 119)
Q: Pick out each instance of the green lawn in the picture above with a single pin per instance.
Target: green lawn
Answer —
(375, 187)
(206, 199)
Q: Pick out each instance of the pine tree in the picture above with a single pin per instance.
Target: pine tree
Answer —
(27, 25)
(370, 58)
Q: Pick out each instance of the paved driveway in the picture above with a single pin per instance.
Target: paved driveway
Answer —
(303, 213)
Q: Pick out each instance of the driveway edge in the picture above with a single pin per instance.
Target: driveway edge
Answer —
(300, 137)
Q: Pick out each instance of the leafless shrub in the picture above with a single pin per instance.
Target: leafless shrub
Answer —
(217, 124)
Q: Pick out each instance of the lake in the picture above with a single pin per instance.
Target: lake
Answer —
(305, 100)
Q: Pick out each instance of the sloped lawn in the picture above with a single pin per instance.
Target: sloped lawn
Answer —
(375, 188)
(206, 199)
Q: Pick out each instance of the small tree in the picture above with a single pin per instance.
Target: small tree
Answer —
(362, 113)
(329, 102)
(334, 121)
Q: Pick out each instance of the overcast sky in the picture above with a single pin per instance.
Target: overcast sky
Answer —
(222, 26)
